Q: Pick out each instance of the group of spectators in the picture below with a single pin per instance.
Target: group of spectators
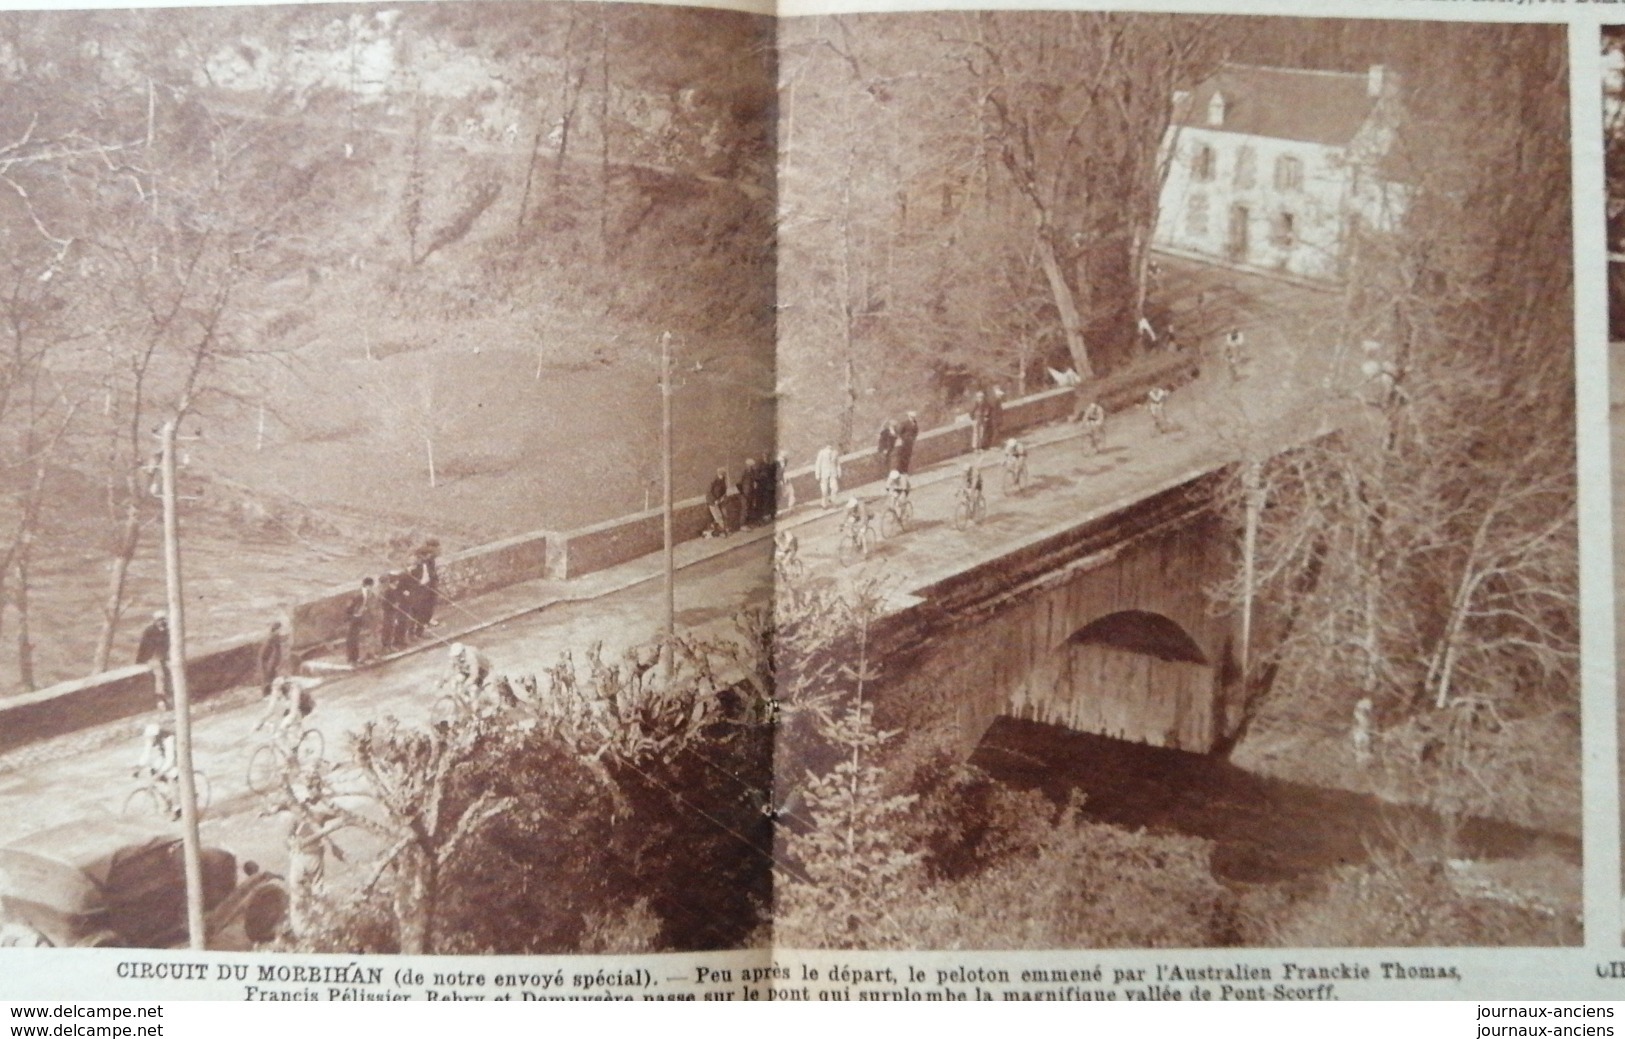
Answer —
(896, 443)
(753, 501)
(386, 615)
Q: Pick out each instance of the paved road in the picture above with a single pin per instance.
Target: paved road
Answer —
(1280, 398)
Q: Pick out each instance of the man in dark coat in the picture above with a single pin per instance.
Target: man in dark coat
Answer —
(393, 606)
(886, 443)
(270, 659)
(995, 416)
(425, 577)
(750, 483)
(360, 613)
(715, 496)
(907, 433)
(979, 417)
(154, 650)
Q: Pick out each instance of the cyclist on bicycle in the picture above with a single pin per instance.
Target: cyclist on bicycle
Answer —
(158, 763)
(786, 549)
(1015, 456)
(469, 667)
(973, 481)
(897, 490)
(290, 702)
(857, 516)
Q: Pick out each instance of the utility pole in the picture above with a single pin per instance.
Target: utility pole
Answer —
(191, 847)
(1253, 490)
(665, 461)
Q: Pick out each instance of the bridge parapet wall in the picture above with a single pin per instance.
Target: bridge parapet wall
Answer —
(1115, 393)
(320, 621)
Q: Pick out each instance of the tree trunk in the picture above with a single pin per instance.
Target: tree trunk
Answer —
(19, 599)
(414, 901)
(123, 554)
(1066, 305)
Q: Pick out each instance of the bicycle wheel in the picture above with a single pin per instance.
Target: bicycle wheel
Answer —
(264, 770)
(847, 550)
(308, 751)
(869, 540)
(961, 513)
(444, 711)
(891, 524)
(979, 509)
(907, 513)
(143, 800)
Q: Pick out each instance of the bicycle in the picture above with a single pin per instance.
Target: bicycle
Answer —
(857, 541)
(159, 793)
(898, 515)
(282, 753)
(467, 704)
(1015, 472)
(970, 507)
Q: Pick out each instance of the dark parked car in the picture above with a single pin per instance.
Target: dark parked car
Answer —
(109, 882)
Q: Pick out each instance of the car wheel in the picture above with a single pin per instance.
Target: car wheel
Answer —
(264, 914)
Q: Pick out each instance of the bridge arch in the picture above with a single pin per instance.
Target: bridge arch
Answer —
(1130, 674)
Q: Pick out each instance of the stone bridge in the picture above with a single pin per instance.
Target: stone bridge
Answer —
(1106, 626)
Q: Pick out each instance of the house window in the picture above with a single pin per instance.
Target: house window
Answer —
(1246, 167)
(1196, 216)
(1288, 174)
(1283, 231)
(1203, 161)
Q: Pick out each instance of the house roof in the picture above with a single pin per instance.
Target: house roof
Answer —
(1289, 104)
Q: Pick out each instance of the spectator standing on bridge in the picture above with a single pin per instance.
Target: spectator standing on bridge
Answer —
(750, 494)
(392, 610)
(907, 433)
(425, 574)
(361, 625)
(886, 444)
(1156, 402)
(1094, 425)
(270, 658)
(827, 470)
(995, 416)
(784, 492)
(154, 652)
(715, 497)
(979, 412)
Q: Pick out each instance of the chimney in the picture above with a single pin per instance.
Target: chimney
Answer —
(1375, 81)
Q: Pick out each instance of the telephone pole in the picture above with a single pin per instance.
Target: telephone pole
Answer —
(665, 462)
(191, 847)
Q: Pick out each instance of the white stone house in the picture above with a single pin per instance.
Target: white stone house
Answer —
(1277, 169)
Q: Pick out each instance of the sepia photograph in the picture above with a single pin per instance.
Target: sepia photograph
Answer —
(552, 478)
(1210, 577)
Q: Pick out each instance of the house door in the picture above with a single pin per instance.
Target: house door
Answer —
(1236, 245)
